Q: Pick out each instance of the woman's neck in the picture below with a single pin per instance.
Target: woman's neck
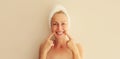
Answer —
(59, 43)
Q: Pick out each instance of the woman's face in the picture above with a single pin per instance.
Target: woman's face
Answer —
(59, 25)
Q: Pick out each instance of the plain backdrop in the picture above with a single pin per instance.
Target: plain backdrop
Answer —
(95, 24)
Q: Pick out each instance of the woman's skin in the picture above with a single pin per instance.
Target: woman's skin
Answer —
(63, 46)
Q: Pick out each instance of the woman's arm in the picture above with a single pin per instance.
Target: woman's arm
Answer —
(75, 48)
(42, 55)
(78, 52)
(80, 49)
(45, 47)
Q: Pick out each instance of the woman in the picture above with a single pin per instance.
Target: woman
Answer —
(59, 44)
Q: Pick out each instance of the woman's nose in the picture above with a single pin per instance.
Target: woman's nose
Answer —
(59, 27)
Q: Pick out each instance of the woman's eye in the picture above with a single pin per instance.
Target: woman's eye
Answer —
(63, 23)
(54, 23)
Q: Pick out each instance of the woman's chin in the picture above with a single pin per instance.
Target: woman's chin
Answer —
(59, 36)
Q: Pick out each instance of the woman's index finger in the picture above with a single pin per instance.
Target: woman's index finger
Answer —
(50, 36)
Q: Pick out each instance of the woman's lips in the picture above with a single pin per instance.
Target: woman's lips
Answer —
(59, 33)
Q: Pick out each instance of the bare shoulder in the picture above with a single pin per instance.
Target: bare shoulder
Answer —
(80, 48)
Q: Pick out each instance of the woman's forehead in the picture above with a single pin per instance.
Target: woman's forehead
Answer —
(59, 17)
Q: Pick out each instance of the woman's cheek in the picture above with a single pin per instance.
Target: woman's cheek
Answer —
(53, 29)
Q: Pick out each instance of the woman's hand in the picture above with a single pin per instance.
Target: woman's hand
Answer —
(70, 43)
(46, 46)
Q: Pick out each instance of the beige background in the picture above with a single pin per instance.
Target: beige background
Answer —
(24, 24)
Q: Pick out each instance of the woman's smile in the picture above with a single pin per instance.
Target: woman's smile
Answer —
(60, 33)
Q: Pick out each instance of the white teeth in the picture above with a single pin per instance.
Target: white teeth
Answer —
(59, 33)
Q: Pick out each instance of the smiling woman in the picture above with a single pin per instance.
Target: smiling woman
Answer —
(59, 24)
(62, 45)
